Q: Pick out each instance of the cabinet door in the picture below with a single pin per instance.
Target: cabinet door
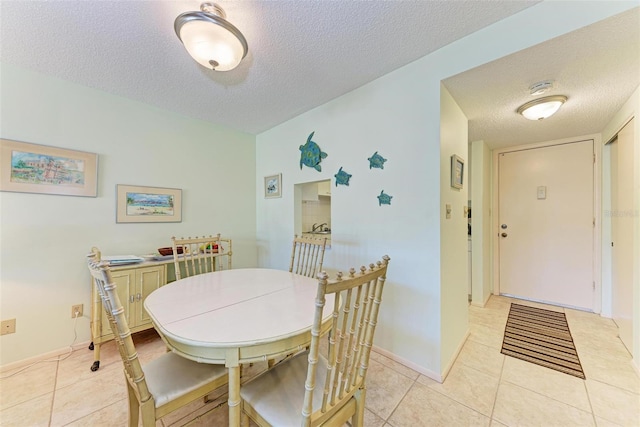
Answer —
(324, 188)
(125, 284)
(310, 192)
(148, 280)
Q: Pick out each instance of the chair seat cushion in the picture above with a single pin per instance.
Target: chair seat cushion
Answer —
(278, 394)
(170, 376)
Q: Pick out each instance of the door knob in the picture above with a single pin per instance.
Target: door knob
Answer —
(503, 226)
(504, 234)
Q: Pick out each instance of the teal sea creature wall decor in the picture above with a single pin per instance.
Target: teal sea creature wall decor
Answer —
(376, 161)
(384, 199)
(342, 177)
(311, 155)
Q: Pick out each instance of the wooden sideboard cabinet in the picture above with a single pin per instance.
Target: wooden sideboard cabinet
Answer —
(134, 283)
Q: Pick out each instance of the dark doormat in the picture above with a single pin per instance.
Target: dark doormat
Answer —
(542, 337)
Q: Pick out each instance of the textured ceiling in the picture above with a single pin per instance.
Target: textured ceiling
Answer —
(597, 67)
(305, 53)
(301, 53)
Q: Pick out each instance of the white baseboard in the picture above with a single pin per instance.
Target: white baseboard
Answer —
(447, 368)
(42, 357)
(409, 364)
(426, 372)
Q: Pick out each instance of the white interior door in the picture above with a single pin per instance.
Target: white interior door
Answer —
(622, 233)
(546, 220)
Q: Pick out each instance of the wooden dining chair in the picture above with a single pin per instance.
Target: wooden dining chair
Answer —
(192, 256)
(328, 389)
(307, 255)
(163, 385)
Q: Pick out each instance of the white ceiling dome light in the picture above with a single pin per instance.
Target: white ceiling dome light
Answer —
(542, 108)
(210, 39)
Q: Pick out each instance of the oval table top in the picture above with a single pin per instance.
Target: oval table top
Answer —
(234, 308)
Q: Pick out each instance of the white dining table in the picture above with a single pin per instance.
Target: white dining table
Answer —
(236, 316)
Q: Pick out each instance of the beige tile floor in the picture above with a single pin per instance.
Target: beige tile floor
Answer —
(484, 388)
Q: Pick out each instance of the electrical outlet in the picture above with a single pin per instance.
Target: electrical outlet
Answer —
(76, 309)
(8, 327)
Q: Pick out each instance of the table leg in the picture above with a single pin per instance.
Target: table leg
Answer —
(234, 396)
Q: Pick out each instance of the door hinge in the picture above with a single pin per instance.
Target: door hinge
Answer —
(594, 157)
(594, 286)
(594, 222)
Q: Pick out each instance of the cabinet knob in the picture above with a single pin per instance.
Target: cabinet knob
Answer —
(131, 299)
(139, 297)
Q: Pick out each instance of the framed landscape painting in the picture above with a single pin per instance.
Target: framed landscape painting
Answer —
(33, 168)
(148, 204)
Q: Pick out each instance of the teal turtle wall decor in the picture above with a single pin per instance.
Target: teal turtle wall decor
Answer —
(376, 161)
(384, 199)
(342, 177)
(311, 155)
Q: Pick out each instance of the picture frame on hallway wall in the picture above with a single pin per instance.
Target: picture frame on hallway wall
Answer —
(138, 204)
(273, 186)
(457, 172)
(42, 169)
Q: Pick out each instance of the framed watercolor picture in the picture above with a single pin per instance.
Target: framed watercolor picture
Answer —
(273, 186)
(33, 168)
(148, 204)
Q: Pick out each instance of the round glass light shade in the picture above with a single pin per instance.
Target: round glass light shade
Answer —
(212, 41)
(542, 108)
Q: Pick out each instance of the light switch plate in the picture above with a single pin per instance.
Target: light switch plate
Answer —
(542, 192)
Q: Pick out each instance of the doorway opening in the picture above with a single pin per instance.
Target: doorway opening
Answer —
(313, 209)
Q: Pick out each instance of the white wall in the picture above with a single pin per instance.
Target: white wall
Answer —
(481, 222)
(385, 116)
(630, 109)
(45, 238)
(454, 245)
(399, 116)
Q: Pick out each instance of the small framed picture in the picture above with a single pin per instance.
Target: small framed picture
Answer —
(273, 186)
(135, 203)
(457, 171)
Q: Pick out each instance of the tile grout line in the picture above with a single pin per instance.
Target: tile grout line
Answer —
(386, 421)
(453, 399)
(53, 395)
(495, 397)
(549, 397)
(593, 413)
